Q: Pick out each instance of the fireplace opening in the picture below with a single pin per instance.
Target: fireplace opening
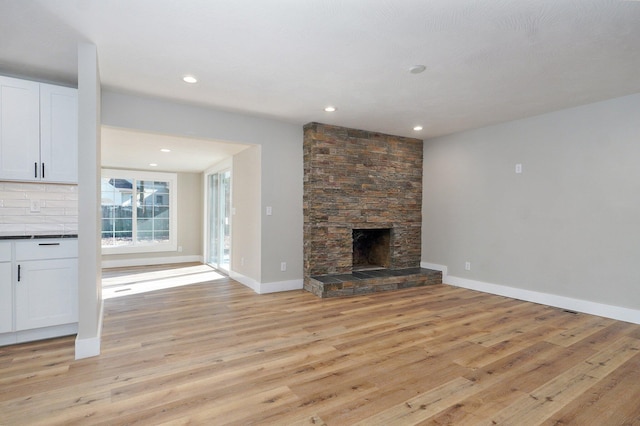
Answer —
(371, 249)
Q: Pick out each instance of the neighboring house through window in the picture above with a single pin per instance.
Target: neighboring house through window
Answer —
(139, 211)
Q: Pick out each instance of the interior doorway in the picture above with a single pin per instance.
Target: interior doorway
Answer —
(219, 220)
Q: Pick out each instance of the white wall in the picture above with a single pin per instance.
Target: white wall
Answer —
(247, 220)
(281, 166)
(568, 226)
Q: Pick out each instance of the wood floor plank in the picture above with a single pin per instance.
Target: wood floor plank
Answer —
(217, 353)
(585, 326)
(617, 394)
(562, 389)
(424, 405)
(321, 397)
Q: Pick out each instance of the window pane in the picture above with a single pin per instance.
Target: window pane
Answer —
(145, 225)
(116, 211)
(122, 225)
(145, 236)
(153, 211)
(162, 236)
(161, 225)
(145, 212)
(107, 226)
(161, 211)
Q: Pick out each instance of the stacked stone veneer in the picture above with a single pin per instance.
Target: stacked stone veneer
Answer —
(355, 179)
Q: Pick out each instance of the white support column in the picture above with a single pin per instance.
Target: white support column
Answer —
(89, 256)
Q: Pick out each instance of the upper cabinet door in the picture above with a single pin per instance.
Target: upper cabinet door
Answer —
(58, 134)
(19, 129)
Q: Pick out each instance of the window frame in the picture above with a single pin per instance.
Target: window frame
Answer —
(136, 176)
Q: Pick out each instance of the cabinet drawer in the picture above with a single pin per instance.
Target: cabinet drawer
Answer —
(46, 249)
(5, 252)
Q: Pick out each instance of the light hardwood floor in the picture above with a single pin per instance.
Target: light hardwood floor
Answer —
(216, 353)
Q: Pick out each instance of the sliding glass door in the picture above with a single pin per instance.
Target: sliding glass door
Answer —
(219, 216)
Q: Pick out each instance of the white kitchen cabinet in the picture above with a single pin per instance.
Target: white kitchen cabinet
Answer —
(58, 134)
(47, 283)
(46, 293)
(42, 290)
(38, 131)
(6, 292)
(19, 129)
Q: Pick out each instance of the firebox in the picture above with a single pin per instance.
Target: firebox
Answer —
(371, 249)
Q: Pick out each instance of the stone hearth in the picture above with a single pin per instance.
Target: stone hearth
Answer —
(360, 180)
(365, 282)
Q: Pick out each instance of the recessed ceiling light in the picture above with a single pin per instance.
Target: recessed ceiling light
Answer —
(330, 109)
(417, 128)
(189, 79)
(417, 69)
(165, 150)
(153, 164)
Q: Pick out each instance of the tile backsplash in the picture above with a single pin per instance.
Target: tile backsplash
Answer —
(57, 205)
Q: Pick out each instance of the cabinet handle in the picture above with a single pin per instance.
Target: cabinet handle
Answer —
(35, 170)
(18, 273)
(42, 170)
(49, 244)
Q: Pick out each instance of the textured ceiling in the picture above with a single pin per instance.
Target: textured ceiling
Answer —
(487, 61)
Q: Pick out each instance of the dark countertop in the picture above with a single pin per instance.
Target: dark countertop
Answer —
(35, 237)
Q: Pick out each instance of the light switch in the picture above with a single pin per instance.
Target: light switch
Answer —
(269, 211)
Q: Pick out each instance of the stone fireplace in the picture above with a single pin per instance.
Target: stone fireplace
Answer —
(362, 193)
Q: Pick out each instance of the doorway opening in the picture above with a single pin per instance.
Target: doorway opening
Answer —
(219, 218)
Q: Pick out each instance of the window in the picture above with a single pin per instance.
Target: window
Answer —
(138, 211)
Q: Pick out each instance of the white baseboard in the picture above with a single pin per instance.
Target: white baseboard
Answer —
(264, 288)
(86, 348)
(246, 281)
(144, 261)
(277, 286)
(435, 267)
(23, 336)
(563, 302)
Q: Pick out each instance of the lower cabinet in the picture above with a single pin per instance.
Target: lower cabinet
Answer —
(46, 293)
(38, 289)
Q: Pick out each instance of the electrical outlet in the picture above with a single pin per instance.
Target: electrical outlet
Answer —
(283, 266)
(35, 206)
(269, 211)
(518, 168)
(467, 266)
